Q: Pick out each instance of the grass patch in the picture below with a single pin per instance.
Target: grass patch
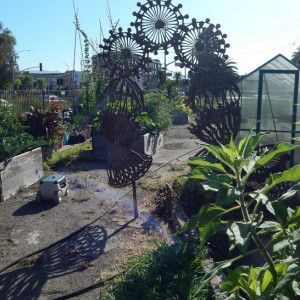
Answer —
(169, 272)
(177, 168)
(150, 185)
(68, 156)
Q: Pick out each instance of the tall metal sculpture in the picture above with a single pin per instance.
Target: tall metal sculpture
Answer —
(199, 46)
(213, 94)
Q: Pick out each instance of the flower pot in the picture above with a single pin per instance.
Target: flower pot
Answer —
(66, 138)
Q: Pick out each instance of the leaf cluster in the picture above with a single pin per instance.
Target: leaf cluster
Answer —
(40, 123)
(280, 276)
(14, 139)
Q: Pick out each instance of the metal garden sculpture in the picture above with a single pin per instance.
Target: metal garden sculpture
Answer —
(199, 46)
(157, 22)
(213, 94)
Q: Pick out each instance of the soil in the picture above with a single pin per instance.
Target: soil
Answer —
(48, 251)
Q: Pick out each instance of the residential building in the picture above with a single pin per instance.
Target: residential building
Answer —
(68, 79)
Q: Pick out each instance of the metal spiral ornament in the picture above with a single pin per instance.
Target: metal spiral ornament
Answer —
(123, 55)
(201, 45)
(157, 22)
(123, 102)
(123, 95)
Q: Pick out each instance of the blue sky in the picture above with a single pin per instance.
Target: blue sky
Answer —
(257, 30)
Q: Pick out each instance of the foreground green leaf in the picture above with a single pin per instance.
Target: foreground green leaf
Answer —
(207, 221)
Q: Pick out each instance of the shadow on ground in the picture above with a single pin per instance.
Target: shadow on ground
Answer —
(32, 208)
(72, 255)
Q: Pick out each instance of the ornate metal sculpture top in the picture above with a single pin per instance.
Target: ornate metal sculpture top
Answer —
(157, 22)
(123, 54)
(201, 45)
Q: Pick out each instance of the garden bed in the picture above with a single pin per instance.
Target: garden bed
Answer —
(180, 118)
(148, 143)
(20, 171)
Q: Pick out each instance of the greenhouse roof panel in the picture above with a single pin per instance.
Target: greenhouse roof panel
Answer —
(279, 62)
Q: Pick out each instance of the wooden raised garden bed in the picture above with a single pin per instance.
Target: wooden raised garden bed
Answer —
(20, 171)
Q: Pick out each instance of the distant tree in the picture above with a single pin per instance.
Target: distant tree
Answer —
(27, 82)
(177, 76)
(296, 56)
(18, 83)
(7, 43)
(215, 80)
(161, 77)
(40, 84)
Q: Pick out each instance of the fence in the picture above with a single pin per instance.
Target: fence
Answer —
(21, 100)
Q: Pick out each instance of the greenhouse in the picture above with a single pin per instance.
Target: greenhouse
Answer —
(269, 98)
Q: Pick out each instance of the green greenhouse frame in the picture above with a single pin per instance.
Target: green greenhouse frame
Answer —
(269, 99)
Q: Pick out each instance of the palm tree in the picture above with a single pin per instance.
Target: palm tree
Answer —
(296, 56)
(177, 76)
(209, 85)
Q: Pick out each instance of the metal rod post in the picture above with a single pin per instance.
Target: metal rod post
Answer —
(135, 207)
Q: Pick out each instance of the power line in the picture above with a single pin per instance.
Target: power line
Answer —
(261, 51)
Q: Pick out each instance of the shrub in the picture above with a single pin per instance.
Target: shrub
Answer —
(13, 139)
(42, 124)
(157, 106)
(169, 272)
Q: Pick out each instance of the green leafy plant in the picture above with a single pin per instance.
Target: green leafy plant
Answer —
(13, 138)
(157, 106)
(68, 156)
(40, 123)
(180, 105)
(169, 272)
(279, 278)
(147, 123)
